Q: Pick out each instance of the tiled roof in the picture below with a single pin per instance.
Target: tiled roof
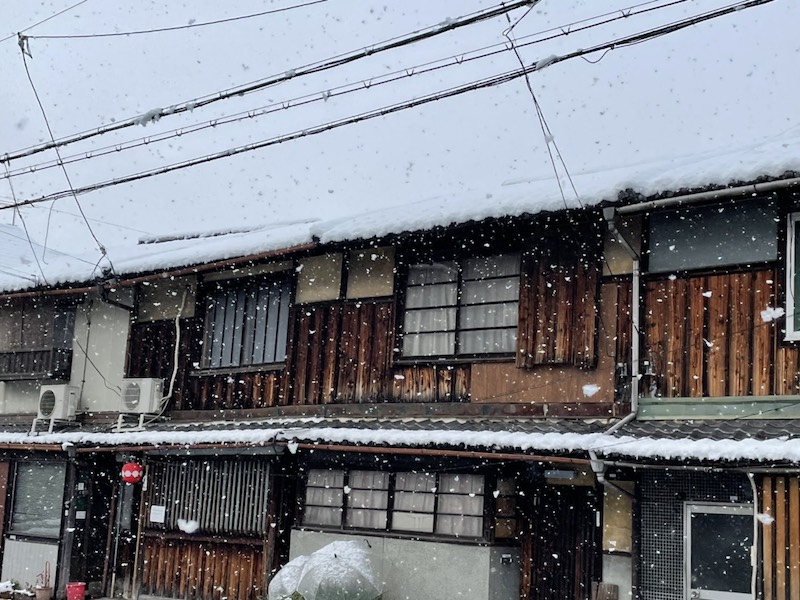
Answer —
(717, 429)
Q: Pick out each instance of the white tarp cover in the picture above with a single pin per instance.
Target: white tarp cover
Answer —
(341, 570)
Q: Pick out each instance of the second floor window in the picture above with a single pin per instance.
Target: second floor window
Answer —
(462, 308)
(247, 324)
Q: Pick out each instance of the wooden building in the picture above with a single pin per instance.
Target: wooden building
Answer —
(587, 403)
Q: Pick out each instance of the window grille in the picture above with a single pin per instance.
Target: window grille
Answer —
(462, 308)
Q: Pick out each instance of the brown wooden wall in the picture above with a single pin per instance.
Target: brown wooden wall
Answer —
(176, 568)
(705, 337)
(557, 312)
(780, 539)
(345, 353)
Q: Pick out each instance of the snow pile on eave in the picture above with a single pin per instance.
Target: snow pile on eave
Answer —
(771, 158)
(783, 450)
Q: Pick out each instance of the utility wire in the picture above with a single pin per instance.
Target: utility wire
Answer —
(176, 28)
(455, 91)
(324, 95)
(365, 84)
(336, 61)
(25, 229)
(13, 35)
(102, 249)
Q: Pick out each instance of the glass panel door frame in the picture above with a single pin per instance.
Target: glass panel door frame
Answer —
(711, 508)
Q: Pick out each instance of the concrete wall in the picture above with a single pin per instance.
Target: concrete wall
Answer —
(414, 569)
(102, 330)
(618, 570)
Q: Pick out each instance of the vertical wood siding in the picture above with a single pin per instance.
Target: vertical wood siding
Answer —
(780, 539)
(193, 570)
(557, 312)
(342, 352)
(704, 336)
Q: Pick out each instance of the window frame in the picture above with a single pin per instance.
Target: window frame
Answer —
(792, 333)
(344, 507)
(242, 336)
(57, 509)
(460, 307)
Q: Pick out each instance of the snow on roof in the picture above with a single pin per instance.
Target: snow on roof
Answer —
(771, 158)
(779, 450)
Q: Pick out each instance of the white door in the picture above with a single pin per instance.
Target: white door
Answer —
(718, 550)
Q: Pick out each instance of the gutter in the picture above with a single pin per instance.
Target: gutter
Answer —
(685, 199)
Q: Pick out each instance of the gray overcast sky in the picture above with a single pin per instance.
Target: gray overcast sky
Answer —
(717, 85)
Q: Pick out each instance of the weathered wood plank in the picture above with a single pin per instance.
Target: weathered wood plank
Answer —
(768, 537)
(696, 333)
(764, 338)
(794, 538)
(740, 340)
(716, 343)
(780, 538)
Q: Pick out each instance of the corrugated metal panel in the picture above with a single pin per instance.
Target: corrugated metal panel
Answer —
(222, 496)
(23, 561)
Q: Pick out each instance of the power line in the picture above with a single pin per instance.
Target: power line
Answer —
(324, 95)
(176, 28)
(13, 35)
(492, 81)
(336, 61)
(63, 168)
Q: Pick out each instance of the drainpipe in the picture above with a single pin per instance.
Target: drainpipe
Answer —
(599, 469)
(610, 214)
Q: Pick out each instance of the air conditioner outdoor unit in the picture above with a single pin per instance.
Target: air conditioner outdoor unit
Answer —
(58, 402)
(141, 396)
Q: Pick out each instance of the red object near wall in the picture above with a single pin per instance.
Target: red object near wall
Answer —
(132, 472)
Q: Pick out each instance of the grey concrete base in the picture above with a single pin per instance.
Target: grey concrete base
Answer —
(412, 569)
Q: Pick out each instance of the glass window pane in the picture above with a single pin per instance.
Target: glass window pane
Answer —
(368, 519)
(415, 482)
(324, 496)
(38, 499)
(367, 499)
(492, 290)
(369, 479)
(402, 521)
(712, 236)
(491, 266)
(432, 319)
(317, 515)
(486, 341)
(721, 552)
(436, 273)
(442, 294)
(429, 344)
(459, 526)
(326, 478)
(461, 505)
(492, 315)
(414, 501)
(461, 483)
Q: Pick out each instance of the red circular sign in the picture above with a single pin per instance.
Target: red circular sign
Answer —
(132, 472)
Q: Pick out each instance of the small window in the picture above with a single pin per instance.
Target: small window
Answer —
(38, 499)
(738, 233)
(247, 324)
(444, 504)
(462, 308)
(792, 280)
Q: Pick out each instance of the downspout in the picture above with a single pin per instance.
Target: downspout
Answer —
(599, 469)
(754, 552)
(610, 214)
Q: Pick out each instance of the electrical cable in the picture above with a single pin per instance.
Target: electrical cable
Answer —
(492, 81)
(336, 61)
(64, 169)
(29, 27)
(176, 28)
(324, 95)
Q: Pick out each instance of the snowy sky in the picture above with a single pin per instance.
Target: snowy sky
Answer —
(709, 88)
